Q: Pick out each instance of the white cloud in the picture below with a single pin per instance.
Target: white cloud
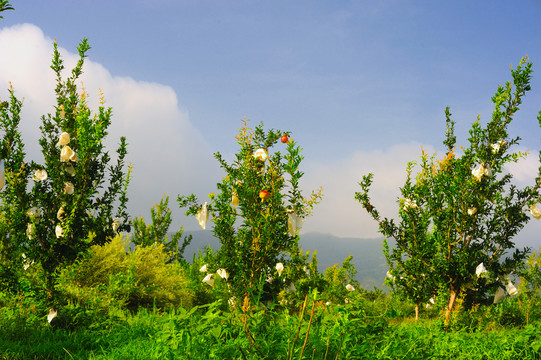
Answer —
(524, 173)
(339, 213)
(525, 170)
(168, 154)
(171, 157)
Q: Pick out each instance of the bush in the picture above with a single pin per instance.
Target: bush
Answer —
(110, 276)
(204, 293)
(54, 211)
(257, 213)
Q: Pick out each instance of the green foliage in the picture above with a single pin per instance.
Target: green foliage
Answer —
(5, 5)
(530, 281)
(61, 225)
(529, 287)
(70, 203)
(314, 331)
(337, 278)
(257, 213)
(110, 276)
(301, 277)
(196, 273)
(146, 235)
(461, 211)
(507, 314)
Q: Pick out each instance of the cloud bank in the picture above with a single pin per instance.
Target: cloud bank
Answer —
(171, 157)
(340, 214)
(168, 154)
(339, 210)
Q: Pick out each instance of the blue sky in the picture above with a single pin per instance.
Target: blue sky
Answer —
(362, 85)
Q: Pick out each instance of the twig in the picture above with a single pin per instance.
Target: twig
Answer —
(308, 330)
(290, 355)
(242, 352)
(255, 345)
(328, 344)
(340, 347)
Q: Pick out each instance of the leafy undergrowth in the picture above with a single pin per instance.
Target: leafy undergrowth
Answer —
(206, 332)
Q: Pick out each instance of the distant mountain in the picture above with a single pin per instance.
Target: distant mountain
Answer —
(201, 239)
(367, 253)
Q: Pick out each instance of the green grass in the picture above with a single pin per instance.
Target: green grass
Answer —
(209, 333)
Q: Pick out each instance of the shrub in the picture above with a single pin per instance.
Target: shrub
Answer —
(158, 230)
(529, 288)
(256, 213)
(458, 215)
(111, 276)
(54, 211)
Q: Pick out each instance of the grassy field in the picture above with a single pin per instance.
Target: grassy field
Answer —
(143, 308)
(352, 331)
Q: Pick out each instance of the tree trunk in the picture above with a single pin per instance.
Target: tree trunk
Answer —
(417, 312)
(450, 307)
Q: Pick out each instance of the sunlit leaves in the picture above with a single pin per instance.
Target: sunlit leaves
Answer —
(75, 189)
(459, 214)
(257, 212)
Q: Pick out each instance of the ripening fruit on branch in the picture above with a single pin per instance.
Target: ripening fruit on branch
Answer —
(264, 195)
(251, 216)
